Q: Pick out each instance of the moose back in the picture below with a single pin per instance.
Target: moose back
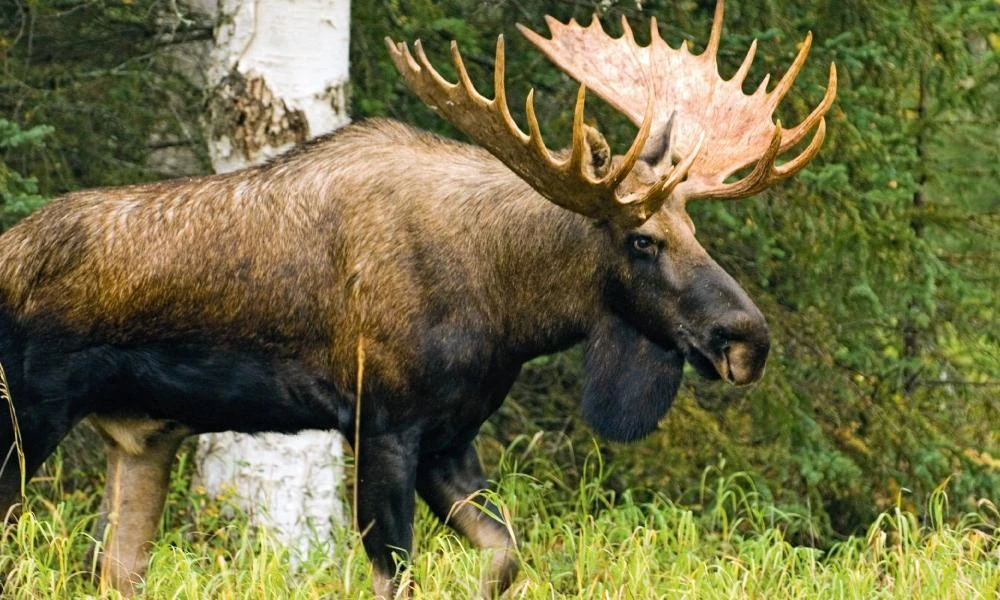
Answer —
(240, 301)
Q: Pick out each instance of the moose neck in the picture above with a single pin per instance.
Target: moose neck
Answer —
(546, 265)
(472, 245)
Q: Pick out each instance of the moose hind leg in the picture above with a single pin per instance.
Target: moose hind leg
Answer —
(140, 455)
(13, 470)
(29, 433)
(451, 485)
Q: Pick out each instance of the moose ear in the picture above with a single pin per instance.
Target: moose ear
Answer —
(657, 147)
(629, 381)
(597, 152)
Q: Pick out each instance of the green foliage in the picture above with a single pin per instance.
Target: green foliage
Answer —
(18, 193)
(109, 77)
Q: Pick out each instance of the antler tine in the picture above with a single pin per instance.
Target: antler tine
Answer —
(576, 154)
(500, 91)
(741, 73)
(779, 91)
(534, 131)
(425, 66)
(681, 169)
(799, 162)
(550, 21)
(716, 36)
(762, 87)
(795, 134)
(400, 55)
(766, 173)
(758, 179)
(635, 150)
(595, 23)
(463, 75)
(654, 32)
(626, 30)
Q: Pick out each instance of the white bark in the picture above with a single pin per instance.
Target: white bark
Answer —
(279, 71)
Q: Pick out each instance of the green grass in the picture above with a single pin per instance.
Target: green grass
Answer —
(576, 541)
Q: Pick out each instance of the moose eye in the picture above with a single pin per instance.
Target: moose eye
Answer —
(643, 245)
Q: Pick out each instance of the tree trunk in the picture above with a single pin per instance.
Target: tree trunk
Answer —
(277, 76)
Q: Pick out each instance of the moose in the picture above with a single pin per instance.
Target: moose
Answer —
(240, 301)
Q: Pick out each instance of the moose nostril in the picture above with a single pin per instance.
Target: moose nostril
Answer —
(741, 340)
(745, 363)
(739, 326)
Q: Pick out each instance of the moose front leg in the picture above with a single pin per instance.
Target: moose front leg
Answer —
(385, 487)
(450, 484)
(140, 454)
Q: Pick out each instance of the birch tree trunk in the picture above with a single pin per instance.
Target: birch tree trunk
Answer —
(278, 74)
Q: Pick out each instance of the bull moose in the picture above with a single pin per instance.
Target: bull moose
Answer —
(239, 301)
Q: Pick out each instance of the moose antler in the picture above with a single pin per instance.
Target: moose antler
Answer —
(565, 182)
(693, 102)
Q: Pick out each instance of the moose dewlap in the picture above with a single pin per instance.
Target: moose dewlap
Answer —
(239, 301)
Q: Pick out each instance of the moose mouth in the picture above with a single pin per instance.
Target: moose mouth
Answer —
(703, 365)
(738, 363)
(728, 363)
(707, 364)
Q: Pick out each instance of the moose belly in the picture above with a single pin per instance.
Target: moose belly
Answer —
(203, 387)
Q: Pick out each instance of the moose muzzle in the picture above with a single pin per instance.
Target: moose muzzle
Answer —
(723, 333)
(739, 346)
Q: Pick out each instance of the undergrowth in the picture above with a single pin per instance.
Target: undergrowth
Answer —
(578, 539)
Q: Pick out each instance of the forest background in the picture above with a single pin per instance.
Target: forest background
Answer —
(877, 267)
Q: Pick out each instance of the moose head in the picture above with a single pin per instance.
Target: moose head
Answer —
(667, 300)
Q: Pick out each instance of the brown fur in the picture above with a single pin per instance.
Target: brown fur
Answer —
(306, 251)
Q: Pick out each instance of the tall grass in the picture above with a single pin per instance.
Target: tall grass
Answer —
(16, 450)
(576, 541)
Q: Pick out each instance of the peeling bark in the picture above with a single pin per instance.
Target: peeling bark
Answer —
(247, 113)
